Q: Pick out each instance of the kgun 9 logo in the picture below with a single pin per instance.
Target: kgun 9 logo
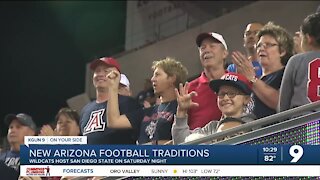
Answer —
(296, 151)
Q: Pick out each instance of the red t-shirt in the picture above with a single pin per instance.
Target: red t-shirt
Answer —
(208, 109)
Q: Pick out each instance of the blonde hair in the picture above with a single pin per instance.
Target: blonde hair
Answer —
(282, 36)
(172, 67)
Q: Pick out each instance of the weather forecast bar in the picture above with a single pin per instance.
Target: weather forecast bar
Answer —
(171, 170)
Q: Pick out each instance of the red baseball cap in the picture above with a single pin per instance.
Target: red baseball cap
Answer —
(232, 79)
(105, 60)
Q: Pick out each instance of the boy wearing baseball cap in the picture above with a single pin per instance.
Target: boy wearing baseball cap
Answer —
(233, 91)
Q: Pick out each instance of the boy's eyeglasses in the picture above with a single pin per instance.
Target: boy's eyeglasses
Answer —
(229, 94)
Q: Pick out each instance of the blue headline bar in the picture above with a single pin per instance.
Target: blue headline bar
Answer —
(171, 155)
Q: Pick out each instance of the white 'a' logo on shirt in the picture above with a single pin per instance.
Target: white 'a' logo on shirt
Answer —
(95, 123)
(13, 162)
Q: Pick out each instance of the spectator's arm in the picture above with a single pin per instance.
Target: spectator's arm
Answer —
(114, 119)
(267, 94)
(180, 129)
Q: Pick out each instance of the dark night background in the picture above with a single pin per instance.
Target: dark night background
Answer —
(45, 47)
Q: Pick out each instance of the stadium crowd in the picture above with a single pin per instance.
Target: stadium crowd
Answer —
(278, 72)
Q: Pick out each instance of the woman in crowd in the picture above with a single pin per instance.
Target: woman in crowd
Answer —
(66, 124)
(152, 124)
(274, 48)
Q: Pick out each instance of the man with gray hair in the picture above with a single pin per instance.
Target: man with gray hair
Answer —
(213, 52)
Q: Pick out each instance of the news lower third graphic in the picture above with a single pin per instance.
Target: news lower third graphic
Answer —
(51, 157)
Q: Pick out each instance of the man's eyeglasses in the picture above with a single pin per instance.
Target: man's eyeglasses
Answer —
(265, 45)
(229, 94)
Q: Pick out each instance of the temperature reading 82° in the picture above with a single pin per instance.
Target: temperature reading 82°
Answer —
(296, 152)
(269, 158)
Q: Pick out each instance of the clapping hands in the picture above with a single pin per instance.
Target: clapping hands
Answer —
(244, 64)
(46, 130)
